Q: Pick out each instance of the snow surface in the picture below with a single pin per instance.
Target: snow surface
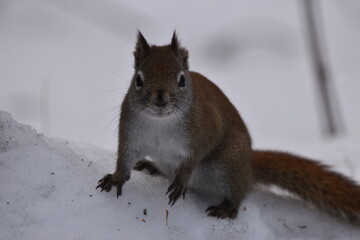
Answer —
(48, 192)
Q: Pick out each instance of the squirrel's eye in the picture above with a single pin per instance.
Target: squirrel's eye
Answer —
(138, 82)
(181, 82)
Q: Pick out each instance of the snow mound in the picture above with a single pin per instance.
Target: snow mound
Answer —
(48, 192)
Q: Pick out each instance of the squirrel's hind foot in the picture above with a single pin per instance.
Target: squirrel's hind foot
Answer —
(148, 165)
(226, 209)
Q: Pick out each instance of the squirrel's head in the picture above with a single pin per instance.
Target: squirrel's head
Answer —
(161, 85)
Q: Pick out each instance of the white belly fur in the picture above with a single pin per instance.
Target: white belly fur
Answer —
(165, 142)
(161, 139)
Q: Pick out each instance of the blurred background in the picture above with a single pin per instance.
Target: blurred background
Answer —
(65, 65)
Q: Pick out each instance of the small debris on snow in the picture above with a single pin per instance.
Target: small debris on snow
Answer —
(281, 220)
(287, 227)
(167, 216)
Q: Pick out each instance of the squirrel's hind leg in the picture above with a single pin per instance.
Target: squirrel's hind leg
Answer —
(231, 177)
(147, 165)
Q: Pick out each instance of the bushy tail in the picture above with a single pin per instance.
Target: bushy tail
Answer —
(310, 180)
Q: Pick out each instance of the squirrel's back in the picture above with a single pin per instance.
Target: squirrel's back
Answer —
(209, 97)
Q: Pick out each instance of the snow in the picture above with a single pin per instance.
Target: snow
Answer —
(48, 192)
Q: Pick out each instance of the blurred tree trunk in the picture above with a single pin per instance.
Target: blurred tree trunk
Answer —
(330, 114)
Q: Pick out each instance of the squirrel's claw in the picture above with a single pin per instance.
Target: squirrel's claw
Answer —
(184, 193)
(119, 191)
(108, 181)
(105, 183)
(176, 189)
(224, 210)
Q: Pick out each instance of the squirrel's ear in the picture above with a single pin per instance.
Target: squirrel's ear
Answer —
(142, 49)
(179, 51)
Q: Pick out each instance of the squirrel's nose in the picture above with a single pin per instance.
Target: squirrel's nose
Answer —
(161, 99)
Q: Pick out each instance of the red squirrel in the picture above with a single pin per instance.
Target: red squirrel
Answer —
(197, 139)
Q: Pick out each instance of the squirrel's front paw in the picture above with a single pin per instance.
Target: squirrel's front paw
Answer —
(108, 181)
(176, 189)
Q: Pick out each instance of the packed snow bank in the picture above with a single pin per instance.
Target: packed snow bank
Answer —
(48, 192)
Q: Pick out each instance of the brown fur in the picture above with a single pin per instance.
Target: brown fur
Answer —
(218, 144)
(310, 180)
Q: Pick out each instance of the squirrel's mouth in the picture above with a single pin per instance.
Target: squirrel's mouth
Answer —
(155, 111)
